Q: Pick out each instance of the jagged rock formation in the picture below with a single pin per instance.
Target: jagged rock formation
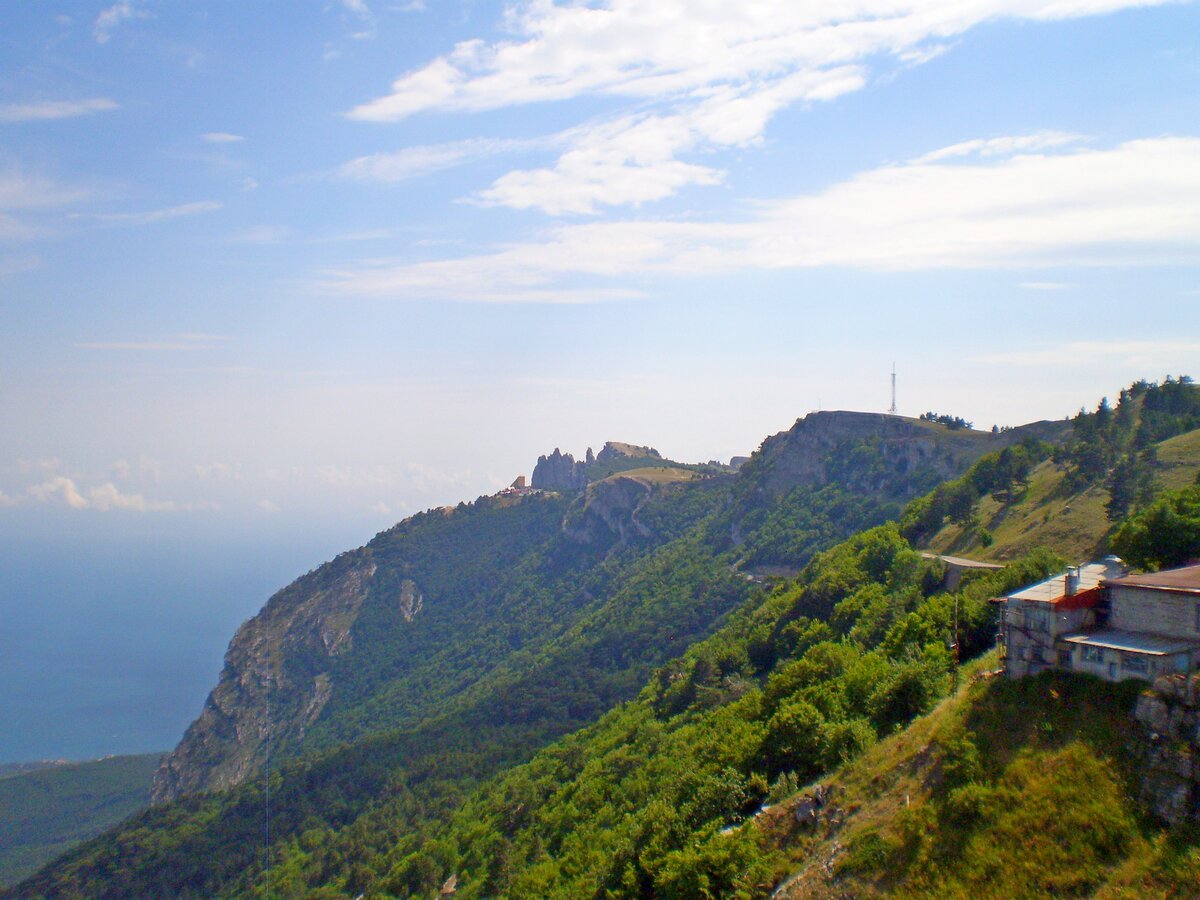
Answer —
(266, 688)
(559, 472)
(1170, 718)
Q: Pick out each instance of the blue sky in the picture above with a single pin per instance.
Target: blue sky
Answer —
(346, 260)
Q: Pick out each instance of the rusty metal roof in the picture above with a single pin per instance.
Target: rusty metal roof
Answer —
(1054, 589)
(1185, 579)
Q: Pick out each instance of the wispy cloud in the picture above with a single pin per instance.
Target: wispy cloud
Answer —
(414, 162)
(1134, 204)
(151, 216)
(23, 195)
(113, 16)
(695, 76)
(43, 110)
(221, 137)
(18, 265)
(184, 341)
(1003, 146)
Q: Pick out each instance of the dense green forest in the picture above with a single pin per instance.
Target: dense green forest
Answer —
(48, 809)
(638, 693)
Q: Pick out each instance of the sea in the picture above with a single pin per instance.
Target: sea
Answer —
(111, 638)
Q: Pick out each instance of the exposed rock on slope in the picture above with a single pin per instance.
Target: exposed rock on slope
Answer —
(268, 666)
(559, 472)
(868, 450)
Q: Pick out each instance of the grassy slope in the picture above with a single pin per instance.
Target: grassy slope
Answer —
(1044, 804)
(1075, 525)
(46, 811)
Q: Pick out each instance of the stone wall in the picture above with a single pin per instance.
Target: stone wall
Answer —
(1158, 612)
(1169, 714)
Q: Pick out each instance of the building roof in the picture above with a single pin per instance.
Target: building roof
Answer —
(1054, 590)
(1185, 580)
(1132, 642)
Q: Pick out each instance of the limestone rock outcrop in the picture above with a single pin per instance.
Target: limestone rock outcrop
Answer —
(559, 472)
(275, 680)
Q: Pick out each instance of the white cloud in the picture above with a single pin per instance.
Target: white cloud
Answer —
(414, 162)
(221, 137)
(20, 190)
(106, 497)
(43, 110)
(268, 506)
(59, 488)
(7, 502)
(627, 161)
(1134, 204)
(1003, 146)
(695, 75)
(113, 16)
(150, 216)
(102, 498)
(23, 196)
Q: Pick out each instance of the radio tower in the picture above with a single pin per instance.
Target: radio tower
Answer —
(892, 410)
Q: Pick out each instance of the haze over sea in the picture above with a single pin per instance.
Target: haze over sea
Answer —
(110, 641)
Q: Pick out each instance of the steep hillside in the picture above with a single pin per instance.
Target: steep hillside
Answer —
(464, 658)
(1009, 789)
(53, 807)
(1052, 512)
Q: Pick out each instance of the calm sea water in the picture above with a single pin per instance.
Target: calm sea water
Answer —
(109, 642)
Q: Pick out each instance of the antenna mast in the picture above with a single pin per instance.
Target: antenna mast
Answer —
(892, 410)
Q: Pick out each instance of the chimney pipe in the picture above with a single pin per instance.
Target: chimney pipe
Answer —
(1072, 581)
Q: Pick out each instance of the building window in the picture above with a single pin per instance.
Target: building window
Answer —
(1093, 654)
(1132, 663)
(1064, 658)
(1037, 620)
(1198, 617)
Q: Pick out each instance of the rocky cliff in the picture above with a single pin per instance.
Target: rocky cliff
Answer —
(275, 681)
(559, 472)
(1169, 716)
(874, 452)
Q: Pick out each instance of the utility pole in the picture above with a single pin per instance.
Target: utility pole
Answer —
(892, 410)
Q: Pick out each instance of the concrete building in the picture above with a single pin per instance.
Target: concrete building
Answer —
(1097, 619)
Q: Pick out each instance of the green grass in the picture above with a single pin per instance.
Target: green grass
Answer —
(1047, 515)
(1009, 789)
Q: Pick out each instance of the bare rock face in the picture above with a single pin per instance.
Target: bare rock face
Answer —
(268, 690)
(559, 472)
(875, 452)
(609, 511)
(1169, 715)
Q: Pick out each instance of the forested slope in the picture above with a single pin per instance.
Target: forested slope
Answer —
(582, 617)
